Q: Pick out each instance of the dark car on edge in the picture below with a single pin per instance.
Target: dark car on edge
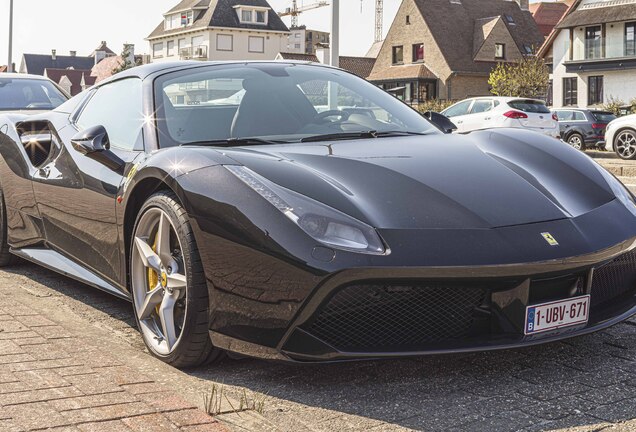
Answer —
(583, 128)
(270, 227)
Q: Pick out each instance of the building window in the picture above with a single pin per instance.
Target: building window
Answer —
(297, 46)
(593, 42)
(398, 54)
(570, 96)
(246, 16)
(510, 20)
(549, 98)
(224, 42)
(170, 48)
(595, 90)
(187, 18)
(528, 49)
(181, 45)
(630, 39)
(418, 52)
(408, 20)
(500, 51)
(157, 50)
(256, 44)
(260, 17)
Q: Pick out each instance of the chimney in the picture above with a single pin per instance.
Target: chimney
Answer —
(130, 48)
(523, 4)
(53, 55)
(322, 52)
(73, 53)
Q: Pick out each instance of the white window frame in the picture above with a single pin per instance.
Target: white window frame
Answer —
(231, 40)
(170, 48)
(246, 11)
(156, 50)
(249, 44)
(253, 11)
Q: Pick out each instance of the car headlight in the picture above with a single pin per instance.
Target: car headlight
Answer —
(325, 224)
(620, 191)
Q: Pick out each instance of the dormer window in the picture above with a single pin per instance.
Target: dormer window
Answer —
(252, 15)
(183, 19)
(510, 20)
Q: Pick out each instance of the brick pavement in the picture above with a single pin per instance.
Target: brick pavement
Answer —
(52, 379)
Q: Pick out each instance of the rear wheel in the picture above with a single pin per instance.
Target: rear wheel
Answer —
(625, 144)
(170, 295)
(576, 140)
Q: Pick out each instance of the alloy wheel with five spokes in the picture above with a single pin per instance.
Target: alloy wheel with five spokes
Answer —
(159, 281)
(625, 144)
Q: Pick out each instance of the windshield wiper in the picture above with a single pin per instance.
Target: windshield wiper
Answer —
(233, 142)
(398, 133)
(357, 135)
(341, 136)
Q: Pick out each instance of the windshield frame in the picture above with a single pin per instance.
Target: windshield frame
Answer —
(46, 82)
(165, 140)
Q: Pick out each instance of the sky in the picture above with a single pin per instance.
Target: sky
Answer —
(80, 25)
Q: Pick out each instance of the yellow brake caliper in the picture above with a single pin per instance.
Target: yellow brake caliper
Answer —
(153, 277)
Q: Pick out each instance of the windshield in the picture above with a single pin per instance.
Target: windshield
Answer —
(18, 94)
(276, 102)
(603, 117)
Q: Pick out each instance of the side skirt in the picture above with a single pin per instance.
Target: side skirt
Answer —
(60, 264)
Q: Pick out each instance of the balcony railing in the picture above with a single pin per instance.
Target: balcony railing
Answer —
(199, 52)
(604, 49)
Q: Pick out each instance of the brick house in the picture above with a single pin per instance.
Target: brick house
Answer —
(548, 14)
(445, 49)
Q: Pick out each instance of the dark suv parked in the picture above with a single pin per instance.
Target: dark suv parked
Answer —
(583, 128)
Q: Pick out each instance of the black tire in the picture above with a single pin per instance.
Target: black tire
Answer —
(6, 257)
(577, 141)
(625, 144)
(194, 347)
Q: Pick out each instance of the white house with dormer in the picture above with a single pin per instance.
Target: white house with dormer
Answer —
(593, 54)
(219, 30)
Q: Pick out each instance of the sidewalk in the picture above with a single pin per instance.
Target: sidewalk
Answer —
(51, 378)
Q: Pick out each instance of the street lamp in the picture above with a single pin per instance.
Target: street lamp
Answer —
(334, 53)
(10, 62)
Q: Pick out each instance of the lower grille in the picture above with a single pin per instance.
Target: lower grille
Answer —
(614, 279)
(397, 317)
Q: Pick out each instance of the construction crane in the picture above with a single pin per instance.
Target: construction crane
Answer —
(294, 10)
(379, 18)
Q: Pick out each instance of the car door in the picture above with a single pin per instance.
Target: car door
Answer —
(458, 113)
(565, 117)
(476, 118)
(77, 195)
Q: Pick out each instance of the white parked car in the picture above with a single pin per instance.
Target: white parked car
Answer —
(503, 112)
(620, 136)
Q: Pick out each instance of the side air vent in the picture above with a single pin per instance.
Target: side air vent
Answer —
(37, 139)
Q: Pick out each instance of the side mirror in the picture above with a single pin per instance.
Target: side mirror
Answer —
(442, 122)
(94, 143)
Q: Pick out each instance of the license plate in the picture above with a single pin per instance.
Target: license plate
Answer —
(557, 314)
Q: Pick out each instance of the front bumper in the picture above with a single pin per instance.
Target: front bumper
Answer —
(397, 312)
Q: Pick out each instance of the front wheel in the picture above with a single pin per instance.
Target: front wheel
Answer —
(625, 144)
(169, 289)
(577, 141)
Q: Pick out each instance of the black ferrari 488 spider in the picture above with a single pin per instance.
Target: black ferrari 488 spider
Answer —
(297, 212)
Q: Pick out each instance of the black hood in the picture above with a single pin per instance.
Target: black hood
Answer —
(484, 180)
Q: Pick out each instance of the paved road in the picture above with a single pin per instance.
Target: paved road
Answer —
(587, 383)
